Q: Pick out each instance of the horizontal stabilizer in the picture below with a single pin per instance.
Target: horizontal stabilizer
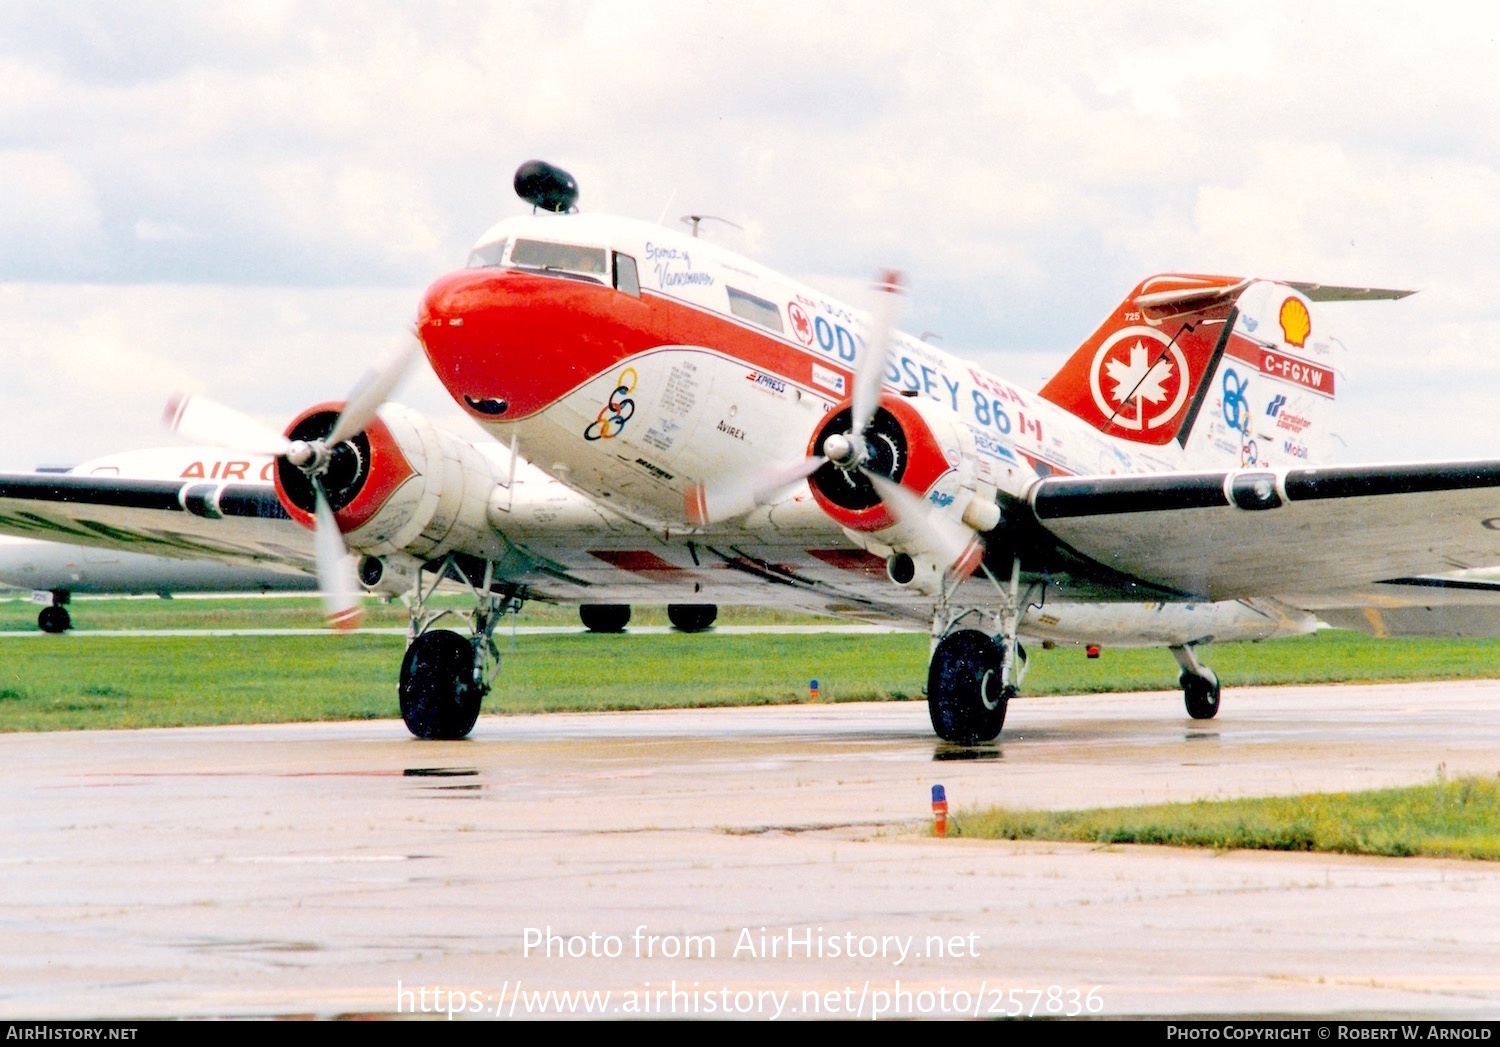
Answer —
(1325, 293)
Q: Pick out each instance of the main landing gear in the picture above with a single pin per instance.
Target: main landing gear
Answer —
(54, 619)
(1200, 687)
(446, 673)
(692, 617)
(604, 617)
(972, 677)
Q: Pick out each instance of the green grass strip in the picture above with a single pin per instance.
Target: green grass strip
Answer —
(1450, 819)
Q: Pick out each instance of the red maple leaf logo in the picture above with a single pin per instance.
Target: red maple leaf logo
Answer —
(801, 325)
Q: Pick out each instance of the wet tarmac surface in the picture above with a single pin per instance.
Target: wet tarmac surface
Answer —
(668, 859)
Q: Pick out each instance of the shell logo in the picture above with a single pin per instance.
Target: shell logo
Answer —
(1296, 324)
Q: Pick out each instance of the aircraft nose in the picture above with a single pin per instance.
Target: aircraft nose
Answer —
(509, 343)
(463, 327)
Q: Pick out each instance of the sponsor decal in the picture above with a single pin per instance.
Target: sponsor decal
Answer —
(765, 381)
(802, 328)
(617, 410)
(1250, 323)
(1139, 379)
(828, 379)
(940, 499)
(1294, 449)
(655, 470)
(1277, 403)
(1296, 324)
(990, 447)
(1293, 422)
(1236, 407)
(725, 427)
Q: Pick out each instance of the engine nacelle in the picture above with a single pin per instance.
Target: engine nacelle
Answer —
(925, 449)
(401, 486)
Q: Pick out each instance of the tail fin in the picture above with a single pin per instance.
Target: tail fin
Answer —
(1140, 376)
(1236, 371)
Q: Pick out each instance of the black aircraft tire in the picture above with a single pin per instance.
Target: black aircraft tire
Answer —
(692, 617)
(439, 699)
(54, 619)
(1200, 695)
(604, 617)
(964, 696)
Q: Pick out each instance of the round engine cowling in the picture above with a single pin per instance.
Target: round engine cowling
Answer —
(910, 441)
(402, 485)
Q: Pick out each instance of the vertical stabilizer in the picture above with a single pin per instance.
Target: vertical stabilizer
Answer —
(1141, 376)
(1270, 400)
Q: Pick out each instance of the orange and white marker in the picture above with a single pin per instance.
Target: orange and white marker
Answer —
(939, 811)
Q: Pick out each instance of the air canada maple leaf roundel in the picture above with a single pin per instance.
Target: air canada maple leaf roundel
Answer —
(1139, 379)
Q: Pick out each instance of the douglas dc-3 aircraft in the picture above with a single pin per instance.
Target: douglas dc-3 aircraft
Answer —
(710, 432)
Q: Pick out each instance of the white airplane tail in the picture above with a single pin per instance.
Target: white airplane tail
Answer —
(1235, 372)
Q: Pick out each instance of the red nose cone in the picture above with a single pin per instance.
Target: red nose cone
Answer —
(508, 344)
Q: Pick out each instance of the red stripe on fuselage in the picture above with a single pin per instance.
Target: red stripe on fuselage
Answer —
(530, 340)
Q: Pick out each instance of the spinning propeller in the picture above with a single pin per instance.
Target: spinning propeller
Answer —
(862, 451)
(202, 420)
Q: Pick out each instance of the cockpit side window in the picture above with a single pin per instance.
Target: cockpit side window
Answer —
(626, 277)
(487, 256)
(564, 259)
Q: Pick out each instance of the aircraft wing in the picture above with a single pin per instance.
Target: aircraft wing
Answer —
(1290, 534)
(241, 523)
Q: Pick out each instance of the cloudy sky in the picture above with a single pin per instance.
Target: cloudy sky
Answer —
(248, 199)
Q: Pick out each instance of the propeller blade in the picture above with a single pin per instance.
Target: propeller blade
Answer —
(205, 421)
(870, 374)
(372, 390)
(732, 496)
(341, 605)
(953, 544)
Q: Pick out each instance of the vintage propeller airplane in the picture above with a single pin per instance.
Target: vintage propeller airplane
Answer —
(706, 431)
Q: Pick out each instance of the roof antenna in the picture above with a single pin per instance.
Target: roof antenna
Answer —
(694, 219)
(670, 197)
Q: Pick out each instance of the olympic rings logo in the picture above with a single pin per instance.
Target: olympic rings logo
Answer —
(1236, 407)
(614, 414)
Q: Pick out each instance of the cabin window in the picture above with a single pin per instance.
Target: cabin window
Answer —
(756, 310)
(487, 256)
(566, 259)
(626, 277)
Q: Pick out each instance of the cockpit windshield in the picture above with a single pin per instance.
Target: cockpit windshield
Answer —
(562, 258)
(487, 256)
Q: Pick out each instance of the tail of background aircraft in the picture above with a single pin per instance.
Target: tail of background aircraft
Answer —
(1233, 371)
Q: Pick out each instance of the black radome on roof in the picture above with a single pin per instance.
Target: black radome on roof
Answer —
(546, 187)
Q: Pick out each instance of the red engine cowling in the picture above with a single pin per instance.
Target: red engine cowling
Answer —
(908, 442)
(402, 485)
(930, 453)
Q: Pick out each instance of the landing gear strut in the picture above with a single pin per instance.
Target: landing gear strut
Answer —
(445, 674)
(1200, 687)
